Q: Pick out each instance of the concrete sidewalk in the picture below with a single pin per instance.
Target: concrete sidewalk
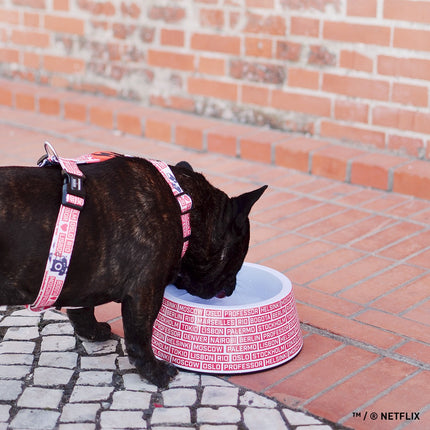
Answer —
(359, 260)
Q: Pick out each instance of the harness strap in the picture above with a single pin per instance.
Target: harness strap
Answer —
(72, 202)
(184, 200)
(64, 235)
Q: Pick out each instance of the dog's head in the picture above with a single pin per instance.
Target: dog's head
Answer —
(219, 241)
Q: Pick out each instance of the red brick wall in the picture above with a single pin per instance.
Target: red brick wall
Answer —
(357, 70)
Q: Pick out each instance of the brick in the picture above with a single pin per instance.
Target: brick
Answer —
(177, 61)
(213, 18)
(9, 55)
(25, 101)
(324, 373)
(303, 78)
(346, 276)
(167, 14)
(61, 24)
(272, 24)
(103, 117)
(388, 280)
(30, 38)
(396, 324)
(131, 10)
(356, 87)
(406, 145)
(419, 313)
(62, 5)
(123, 31)
(31, 19)
(318, 267)
(410, 94)
(409, 396)
(332, 161)
(352, 329)
(268, 4)
(405, 10)
(402, 119)
(256, 149)
(386, 235)
(314, 105)
(321, 56)
(258, 47)
(5, 96)
(212, 66)
(301, 26)
(295, 153)
(222, 141)
(326, 301)
(422, 259)
(416, 40)
(413, 179)
(75, 111)
(36, 4)
(129, 123)
(347, 110)
(98, 8)
(347, 397)
(182, 103)
(310, 5)
(332, 223)
(355, 61)
(415, 68)
(49, 106)
(288, 50)
(373, 170)
(356, 33)
(63, 65)
(255, 95)
(215, 43)
(367, 8)
(9, 16)
(158, 129)
(209, 88)
(353, 134)
(257, 72)
(172, 37)
(401, 299)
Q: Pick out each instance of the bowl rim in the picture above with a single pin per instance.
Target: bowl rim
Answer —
(285, 290)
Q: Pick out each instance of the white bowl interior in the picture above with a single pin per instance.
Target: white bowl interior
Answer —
(255, 285)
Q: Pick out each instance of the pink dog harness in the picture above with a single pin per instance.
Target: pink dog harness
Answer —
(73, 200)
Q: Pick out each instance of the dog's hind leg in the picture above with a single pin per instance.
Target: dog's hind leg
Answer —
(86, 325)
(138, 334)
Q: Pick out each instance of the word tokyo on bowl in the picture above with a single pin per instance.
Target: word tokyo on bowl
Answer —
(256, 328)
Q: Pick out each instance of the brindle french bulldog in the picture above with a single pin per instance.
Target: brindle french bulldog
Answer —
(128, 245)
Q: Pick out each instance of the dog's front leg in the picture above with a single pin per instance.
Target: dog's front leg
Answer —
(138, 320)
(86, 325)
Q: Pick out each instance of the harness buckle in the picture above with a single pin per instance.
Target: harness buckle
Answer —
(73, 190)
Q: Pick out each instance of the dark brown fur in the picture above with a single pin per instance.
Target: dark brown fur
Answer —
(128, 245)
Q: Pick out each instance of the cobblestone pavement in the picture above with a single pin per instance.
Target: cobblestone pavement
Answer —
(50, 379)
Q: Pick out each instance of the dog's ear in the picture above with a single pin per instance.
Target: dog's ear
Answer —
(185, 165)
(242, 205)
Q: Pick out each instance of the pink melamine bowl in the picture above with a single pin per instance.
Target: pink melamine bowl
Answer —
(256, 328)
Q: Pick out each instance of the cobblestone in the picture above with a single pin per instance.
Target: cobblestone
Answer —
(94, 387)
(179, 397)
(52, 376)
(40, 398)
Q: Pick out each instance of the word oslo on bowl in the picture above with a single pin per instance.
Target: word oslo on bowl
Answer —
(256, 328)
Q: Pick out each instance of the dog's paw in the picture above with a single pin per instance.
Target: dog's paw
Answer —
(96, 333)
(159, 373)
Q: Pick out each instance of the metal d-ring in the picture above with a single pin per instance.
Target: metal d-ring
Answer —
(51, 152)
